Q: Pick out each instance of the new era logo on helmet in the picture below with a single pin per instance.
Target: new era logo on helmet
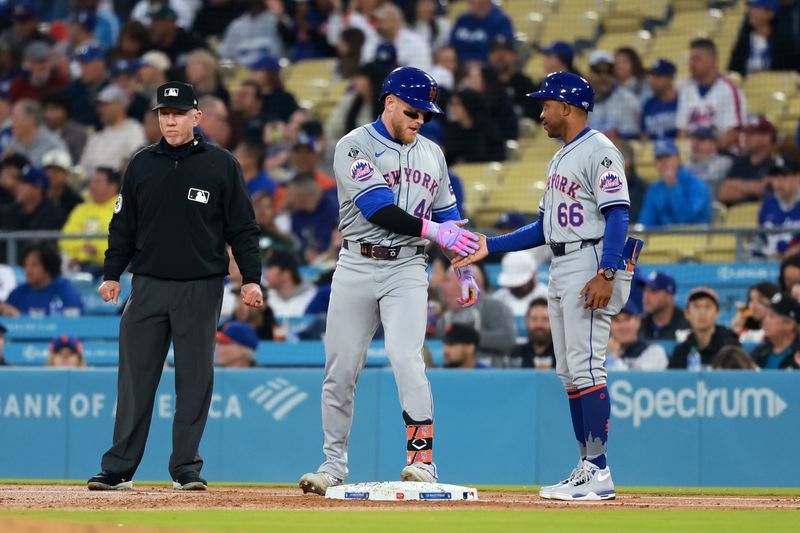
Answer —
(171, 91)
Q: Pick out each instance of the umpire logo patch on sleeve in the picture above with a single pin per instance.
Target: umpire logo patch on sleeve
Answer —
(610, 182)
(361, 170)
(118, 204)
(198, 195)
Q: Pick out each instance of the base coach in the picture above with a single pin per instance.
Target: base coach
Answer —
(182, 201)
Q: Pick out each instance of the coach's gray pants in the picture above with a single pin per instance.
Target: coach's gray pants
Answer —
(186, 312)
(364, 292)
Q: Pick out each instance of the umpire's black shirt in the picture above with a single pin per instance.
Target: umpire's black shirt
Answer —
(178, 208)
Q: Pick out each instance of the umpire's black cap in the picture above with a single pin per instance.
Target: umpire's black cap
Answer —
(176, 95)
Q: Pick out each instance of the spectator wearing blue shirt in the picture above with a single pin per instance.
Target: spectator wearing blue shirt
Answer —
(660, 110)
(781, 210)
(678, 197)
(314, 214)
(779, 349)
(475, 31)
(44, 292)
(250, 155)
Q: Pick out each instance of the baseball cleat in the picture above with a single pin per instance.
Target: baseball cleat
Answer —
(589, 484)
(189, 481)
(415, 473)
(318, 482)
(546, 491)
(109, 481)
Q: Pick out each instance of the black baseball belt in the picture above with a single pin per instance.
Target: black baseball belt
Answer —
(564, 248)
(384, 253)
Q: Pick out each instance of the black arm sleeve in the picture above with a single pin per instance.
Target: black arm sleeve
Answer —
(395, 219)
(122, 230)
(241, 230)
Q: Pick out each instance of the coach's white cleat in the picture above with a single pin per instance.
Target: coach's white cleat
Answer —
(590, 483)
(318, 482)
(416, 473)
(547, 490)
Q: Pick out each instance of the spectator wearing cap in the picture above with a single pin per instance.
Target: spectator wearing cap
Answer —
(250, 155)
(705, 161)
(358, 106)
(518, 283)
(559, 56)
(537, 351)
(40, 75)
(24, 30)
(662, 318)
(616, 109)
(45, 292)
(504, 60)
(123, 75)
(120, 137)
(167, 36)
(82, 92)
(81, 29)
(746, 181)
(92, 216)
(29, 135)
(470, 135)
(710, 99)
(475, 30)
(65, 352)
(660, 110)
(748, 320)
(780, 209)
(759, 46)
(203, 72)
(412, 49)
(630, 72)
(153, 67)
(57, 164)
(626, 351)
(257, 28)
(56, 114)
(461, 347)
(426, 20)
(314, 214)
(706, 336)
(288, 295)
(32, 210)
(678, 197)
(305, 158)
(782, 344)
(637, 186)
(236, 345)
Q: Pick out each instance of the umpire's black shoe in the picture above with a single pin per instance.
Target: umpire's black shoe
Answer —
(106, 480)
(189, 481)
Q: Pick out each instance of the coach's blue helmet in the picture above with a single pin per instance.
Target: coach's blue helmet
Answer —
(568, 88)
(415, 87)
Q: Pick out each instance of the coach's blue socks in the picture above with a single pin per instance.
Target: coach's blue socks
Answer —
(596, 409)
(576, 413)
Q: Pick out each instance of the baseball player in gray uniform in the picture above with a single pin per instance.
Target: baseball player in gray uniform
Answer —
(583, 216)
(394, 192)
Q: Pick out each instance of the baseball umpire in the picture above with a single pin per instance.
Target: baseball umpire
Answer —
(394, 191)
(583, 216)
(182, 200)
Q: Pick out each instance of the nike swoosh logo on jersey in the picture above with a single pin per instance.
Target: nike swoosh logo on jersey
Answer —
(602, 476)
(378, 154)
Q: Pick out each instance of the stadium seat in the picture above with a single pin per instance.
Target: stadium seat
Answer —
(742, 215)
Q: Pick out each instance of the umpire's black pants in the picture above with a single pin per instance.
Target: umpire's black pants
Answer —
(159, 310)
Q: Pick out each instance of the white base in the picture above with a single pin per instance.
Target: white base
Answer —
(392, 491)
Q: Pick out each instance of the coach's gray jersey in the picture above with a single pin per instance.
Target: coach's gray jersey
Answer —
(585, 176)
(365, 160)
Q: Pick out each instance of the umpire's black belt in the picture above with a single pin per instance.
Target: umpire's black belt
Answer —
(565, 248)
(386, 253)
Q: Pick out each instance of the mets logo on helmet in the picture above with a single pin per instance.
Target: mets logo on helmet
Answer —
(361, 170)
(610, 182)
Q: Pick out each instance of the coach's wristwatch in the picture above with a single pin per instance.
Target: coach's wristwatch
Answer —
(607, 273)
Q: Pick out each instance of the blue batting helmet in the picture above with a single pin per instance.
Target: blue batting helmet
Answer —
(415, 87)
(568, 88)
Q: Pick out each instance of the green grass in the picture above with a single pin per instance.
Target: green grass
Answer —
(478, 521)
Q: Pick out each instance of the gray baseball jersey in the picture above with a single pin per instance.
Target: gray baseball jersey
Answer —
(366, 160)
(367, 292)
(585, 176)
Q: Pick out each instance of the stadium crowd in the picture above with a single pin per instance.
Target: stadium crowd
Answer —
(77, 81)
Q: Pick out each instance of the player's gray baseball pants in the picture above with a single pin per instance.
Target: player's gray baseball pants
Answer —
(366, 292)
(580, 336)
(186, 312)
